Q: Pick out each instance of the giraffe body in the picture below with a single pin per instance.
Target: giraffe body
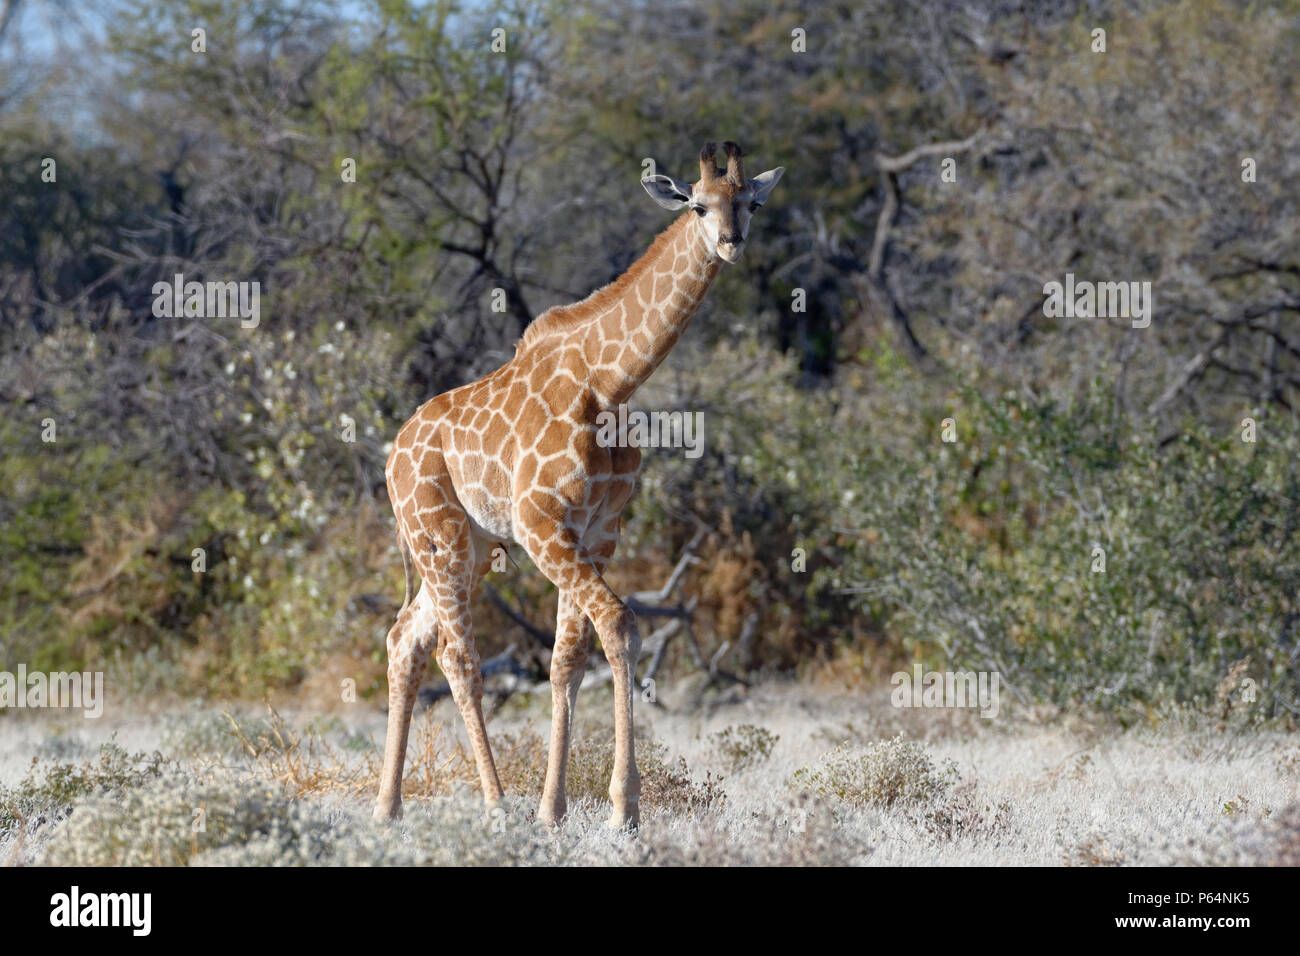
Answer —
(514, 458)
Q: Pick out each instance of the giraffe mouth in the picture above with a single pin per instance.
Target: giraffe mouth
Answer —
(730, 251)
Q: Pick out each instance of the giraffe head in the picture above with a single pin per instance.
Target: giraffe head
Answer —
(724, 201)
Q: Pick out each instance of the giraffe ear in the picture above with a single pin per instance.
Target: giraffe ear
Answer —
(666, 191)
(762, 183)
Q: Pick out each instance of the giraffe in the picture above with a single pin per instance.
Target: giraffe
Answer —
(514, 457)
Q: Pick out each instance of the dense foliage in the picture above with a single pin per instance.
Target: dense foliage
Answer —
(837, 513)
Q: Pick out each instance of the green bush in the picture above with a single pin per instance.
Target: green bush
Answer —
(100, 527)
(1087, 564)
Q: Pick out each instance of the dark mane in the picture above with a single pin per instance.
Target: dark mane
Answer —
(565, 318)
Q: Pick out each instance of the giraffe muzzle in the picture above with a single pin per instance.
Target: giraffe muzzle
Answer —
(730, 251)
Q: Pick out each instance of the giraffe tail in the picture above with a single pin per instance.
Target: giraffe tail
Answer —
(409, 566)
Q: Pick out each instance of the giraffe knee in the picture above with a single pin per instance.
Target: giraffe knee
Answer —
(404, 649)
(413, 630)
(620, 635)
(406, 666)
(632, 649)
(569, 655)
(460, 665)
(396, 642)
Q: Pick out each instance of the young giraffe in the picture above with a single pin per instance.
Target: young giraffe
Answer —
(515, 457)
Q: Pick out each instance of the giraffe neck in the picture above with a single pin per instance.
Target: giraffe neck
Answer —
(626, 343)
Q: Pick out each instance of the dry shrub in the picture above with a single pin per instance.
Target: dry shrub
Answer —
(727, 587)
(1094, 853)
(181, 819)
(301, 761)
(437, 764)
(968, 814)
(742, 747)
(521, 760)
(887, 773)
(1284, 830)
(665, 786)
(51, 790)
(305, 762)
(1288, 762)
(1230, 704)
(1075, 766)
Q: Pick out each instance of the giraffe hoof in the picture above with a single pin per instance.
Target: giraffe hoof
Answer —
(551, 815)
(548, 821)
(625, 822)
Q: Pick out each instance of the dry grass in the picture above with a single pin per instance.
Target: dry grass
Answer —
(297, 789)
(969, 813)
(308, 764)
(1094, 853)
(438, 764)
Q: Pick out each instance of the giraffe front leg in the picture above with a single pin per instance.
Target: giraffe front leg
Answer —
(568, 663)
(622, 642)
(409, 641)
(557, 553)
(623, 649)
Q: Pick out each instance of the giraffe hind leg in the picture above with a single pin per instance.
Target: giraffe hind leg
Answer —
(455, 571)
(450, 564)
(409, 642)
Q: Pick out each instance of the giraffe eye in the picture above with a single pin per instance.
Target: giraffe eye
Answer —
(700, 211)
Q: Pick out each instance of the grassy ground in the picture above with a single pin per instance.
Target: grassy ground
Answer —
(781, 774)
